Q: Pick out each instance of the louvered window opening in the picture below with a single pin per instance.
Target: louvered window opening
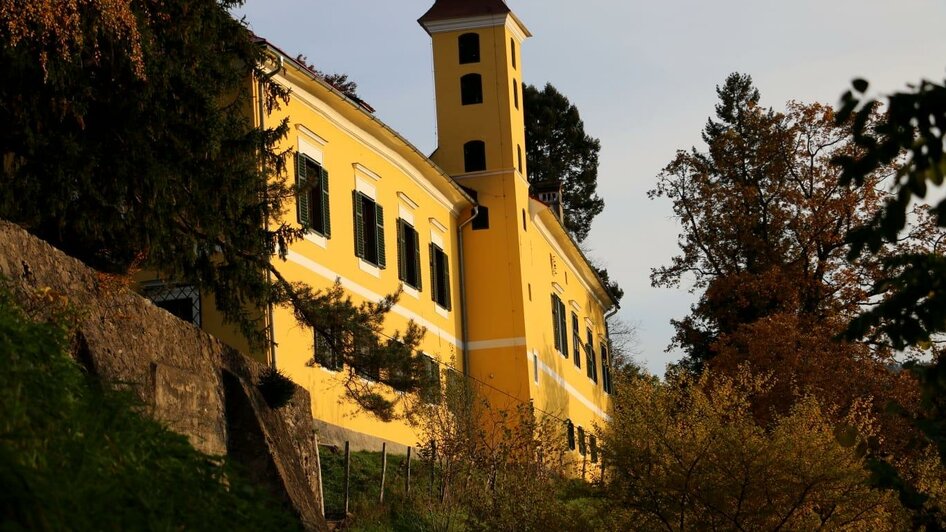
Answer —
(312, 196)
(439, 276)
(408, 254)
(369, 230)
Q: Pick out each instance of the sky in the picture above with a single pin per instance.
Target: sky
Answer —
(643, 76)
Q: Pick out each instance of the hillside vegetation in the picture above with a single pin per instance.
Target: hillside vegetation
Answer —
(77, 456)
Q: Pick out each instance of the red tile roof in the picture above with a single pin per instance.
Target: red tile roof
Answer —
(450, 9)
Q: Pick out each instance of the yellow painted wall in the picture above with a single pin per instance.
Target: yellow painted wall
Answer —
(510, 271)
(512, 268)
(360, 154)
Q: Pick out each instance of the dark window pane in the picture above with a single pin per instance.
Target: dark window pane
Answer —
(481, 221)
(369, 229)
(474, 156)
(469, 48)
(182, 308)
(471, 89)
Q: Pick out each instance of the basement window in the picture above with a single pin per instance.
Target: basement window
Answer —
(181, 301)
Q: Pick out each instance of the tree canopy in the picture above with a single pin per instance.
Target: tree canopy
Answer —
(128, 142)
(559, 150)
(763, 226)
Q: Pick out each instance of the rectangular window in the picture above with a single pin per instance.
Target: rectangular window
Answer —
(369, 229)
(312, 198)
(408, 254)
(558, 325)
(576, 340)
(570, 434)
(581, 441)
(368, 362)
(593, 447)
(430, 392)
(439, 276)
(326, 354)
(590, 361)
(181, 301)
(481, 220)
(605, 368)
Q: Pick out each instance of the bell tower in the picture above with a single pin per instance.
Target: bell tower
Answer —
(481, 144)
(478, 82)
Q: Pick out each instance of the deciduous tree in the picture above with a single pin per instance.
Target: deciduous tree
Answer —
(763, 222)
(689, 454)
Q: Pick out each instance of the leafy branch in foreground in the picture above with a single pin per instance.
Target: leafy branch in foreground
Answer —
(116, 156)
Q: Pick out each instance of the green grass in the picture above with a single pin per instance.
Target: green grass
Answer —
(75, 456)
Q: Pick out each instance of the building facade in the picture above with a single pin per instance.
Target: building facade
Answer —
(507, 298)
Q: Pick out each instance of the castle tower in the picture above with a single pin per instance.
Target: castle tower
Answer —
(481, 144)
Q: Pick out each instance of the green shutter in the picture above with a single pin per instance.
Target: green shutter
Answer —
(302, 194)
(562, 327)
(446, 280)
(433, 273)
(401, 250)
(555, 332)
(417, 260)
(359, 225)
(326, 219)
(379, 219)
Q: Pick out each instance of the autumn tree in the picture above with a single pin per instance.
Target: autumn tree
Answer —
(127, 140)
(689, 454)
(763, 221)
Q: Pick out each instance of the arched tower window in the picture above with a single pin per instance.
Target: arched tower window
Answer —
(512, 50)
(471, 89)
(469, 48)
(515, 93)
(474, 156)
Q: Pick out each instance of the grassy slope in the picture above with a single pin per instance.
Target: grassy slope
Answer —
(76, 457)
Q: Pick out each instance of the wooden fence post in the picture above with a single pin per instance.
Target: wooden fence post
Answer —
(347, 475)
(407, 478)
(384, 468)
(433, 465)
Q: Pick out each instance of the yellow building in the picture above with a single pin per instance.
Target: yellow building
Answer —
(506, 296)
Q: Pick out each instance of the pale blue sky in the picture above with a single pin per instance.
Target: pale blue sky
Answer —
(643, 76)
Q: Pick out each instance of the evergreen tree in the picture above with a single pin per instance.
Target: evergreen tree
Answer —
(128, 141)
(558, 149)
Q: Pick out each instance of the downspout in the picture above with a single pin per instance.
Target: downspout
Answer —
(463, 318)
(607, 336)
(266, 76)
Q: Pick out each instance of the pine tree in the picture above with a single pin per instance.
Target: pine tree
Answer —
(558, 149)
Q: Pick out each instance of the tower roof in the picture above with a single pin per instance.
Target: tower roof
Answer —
(451, 9)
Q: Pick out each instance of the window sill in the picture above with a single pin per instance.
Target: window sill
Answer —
(316, 239)
(369, 268)
(440, 310)
(410, 290)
